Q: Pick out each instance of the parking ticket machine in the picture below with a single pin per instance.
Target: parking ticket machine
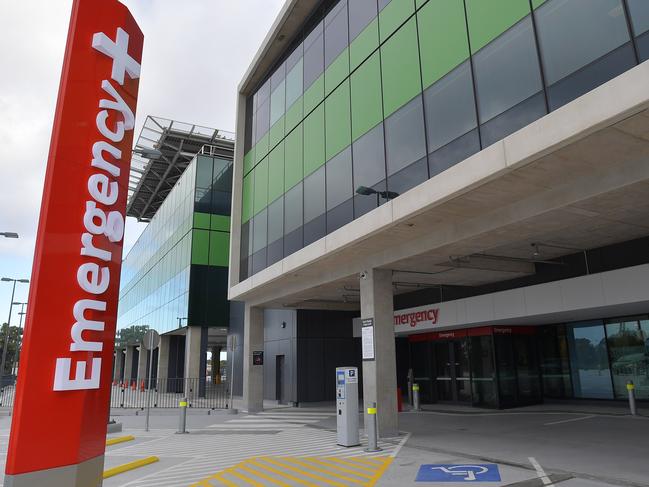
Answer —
(347, 406)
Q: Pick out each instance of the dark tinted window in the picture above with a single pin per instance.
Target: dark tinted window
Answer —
(263, 93)
(262, 120)
(339, 178)
(314, 195)
(222, 175)
(513, 119)
(275, 220)
(450, 107)
(336, 36)
(598, 37)
(572, 35)
(454, 152)
(405, 140)
(369, 158)
(313, 56)
(507, 70)
(361, 13)
(639, 12)
(293, 214)
(382, 4)
(259, 231)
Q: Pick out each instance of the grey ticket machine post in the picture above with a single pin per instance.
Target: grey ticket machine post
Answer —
(347, 406)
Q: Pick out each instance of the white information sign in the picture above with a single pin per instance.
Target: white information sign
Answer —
(367, 339)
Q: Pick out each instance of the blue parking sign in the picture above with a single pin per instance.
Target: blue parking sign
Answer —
(445, 472)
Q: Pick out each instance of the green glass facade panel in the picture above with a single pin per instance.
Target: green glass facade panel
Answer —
(364, 45)
(393, 15)
(294, 115)
(314, 140)
(249, 161)
(261, 149)
(219, 249)
(314, 94)
(201, 220)
(293, 157)
(276, 172)
(220, 223)
(247, 202)
(337, 71)
(261, 186)
(276, 133)
(366, 102)
(487, 20)
(443, 38)
(337, 121)
(400, 68)
(200, 246)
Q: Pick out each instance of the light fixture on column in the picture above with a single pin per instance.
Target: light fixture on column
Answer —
(536, 254)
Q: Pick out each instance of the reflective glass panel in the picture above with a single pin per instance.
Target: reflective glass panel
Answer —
(507, 70)
(361, 13)
(627, 348)
(591, 376)
(336, 32)
(313, 55)
(405, 140)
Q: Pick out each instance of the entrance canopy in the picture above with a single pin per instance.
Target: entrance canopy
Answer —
(577, 179)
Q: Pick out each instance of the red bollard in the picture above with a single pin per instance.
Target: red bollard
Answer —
(399, 400)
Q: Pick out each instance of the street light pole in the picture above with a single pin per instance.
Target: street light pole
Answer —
(20, 327)
(9, 234)
(6, 341)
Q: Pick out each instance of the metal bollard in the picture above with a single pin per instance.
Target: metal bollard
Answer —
(415, 397)
(182, 426)
(372, 433)
(630, 386)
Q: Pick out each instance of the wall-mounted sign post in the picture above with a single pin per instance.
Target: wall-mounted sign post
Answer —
(367, 338)
(58, 431)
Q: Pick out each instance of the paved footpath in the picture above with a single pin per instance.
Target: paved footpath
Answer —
(280, 447)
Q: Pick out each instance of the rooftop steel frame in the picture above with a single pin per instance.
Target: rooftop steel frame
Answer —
(162, 153)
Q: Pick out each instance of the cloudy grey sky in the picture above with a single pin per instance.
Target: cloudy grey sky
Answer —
(195, 53)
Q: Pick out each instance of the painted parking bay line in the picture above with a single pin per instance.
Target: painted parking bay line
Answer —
(570, 420)
(303, 470)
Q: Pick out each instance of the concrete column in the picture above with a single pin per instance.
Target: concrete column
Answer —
(163, 362)
(380, 374)
(195, 360)
(128, 363)
(253, 375)
(117, 364)
(142, 369)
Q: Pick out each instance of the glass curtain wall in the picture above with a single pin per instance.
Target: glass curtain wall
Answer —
(384, 94)
(156, 272)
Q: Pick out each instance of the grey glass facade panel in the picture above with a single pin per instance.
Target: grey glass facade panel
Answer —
(405, 139)
(507, 71)
(336, 32)
(563, 23)
(361, 13)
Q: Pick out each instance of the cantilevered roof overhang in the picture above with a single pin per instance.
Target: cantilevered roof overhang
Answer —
(161, 155)
(576, 179)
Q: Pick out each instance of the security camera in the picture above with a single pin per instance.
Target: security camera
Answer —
(363, 275)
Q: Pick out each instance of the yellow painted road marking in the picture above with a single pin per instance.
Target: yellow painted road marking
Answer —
(277, 472)
(338, 467)
(322, 470)
(129, 466)
(264, 476)
(303, 472)
(351, 464)
(234, 473)
(119, 439)
(223, 480)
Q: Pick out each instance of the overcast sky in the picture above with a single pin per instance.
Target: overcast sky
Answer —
(195, 53)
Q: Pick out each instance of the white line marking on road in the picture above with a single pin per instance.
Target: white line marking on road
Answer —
(401, 443)
(569, 420)
(539, 470)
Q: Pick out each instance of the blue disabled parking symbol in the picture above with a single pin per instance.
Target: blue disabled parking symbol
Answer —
(487, 472)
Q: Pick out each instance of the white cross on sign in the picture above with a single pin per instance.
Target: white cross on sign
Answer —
(118, 51)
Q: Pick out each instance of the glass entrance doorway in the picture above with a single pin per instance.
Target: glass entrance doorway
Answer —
(453, 381)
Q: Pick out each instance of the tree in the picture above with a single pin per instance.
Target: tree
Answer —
(13, 345)
(131, 336)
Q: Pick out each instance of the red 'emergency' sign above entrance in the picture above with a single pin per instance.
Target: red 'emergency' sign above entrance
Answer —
(61, 409)
(422, 317)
